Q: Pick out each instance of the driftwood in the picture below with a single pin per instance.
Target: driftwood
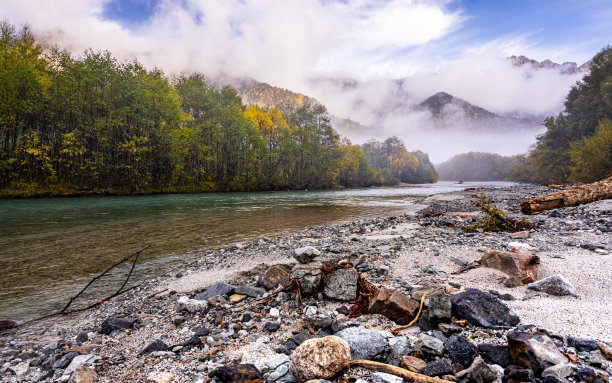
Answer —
(570, 197)
(397, 371)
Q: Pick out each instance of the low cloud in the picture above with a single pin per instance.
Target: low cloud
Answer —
(301, 45)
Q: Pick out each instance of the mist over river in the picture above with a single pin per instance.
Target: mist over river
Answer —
(51, 248)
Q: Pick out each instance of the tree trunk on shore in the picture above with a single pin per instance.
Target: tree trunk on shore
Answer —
(570, 197)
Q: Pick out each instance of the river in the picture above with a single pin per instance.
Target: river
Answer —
(50, 248)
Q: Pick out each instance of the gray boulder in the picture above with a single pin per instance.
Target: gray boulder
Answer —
(251, 291)
(342, 285)
(364, 343)
(431, 345)
(554, 285)
(309, 276)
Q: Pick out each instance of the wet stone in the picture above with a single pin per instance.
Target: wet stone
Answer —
(114, 324)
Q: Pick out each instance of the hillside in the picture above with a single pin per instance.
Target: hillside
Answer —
(565, 68)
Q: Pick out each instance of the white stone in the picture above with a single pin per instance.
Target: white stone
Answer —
(274, 312)
(79, 360)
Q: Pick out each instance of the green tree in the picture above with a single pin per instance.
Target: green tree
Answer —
(593, 157)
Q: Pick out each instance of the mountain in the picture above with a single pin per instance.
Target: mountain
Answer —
(565, 68)
(448, 111)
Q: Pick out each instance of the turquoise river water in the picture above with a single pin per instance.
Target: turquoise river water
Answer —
(50, 248)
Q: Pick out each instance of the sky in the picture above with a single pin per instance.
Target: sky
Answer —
(457, 46)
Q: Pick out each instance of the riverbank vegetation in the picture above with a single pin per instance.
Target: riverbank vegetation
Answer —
(577, 144)
(91, 124)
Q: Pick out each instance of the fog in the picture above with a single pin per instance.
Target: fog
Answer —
(371, 61)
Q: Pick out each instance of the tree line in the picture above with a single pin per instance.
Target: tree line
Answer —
(477, 166)
(93, 124)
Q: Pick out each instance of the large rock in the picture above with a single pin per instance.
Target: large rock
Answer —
(341, 284)
(554, 285)
(461, 350)
(533, 350)
(478, 372)
(240, 373)
(319, 358)
(275, 276)
(113, 324)
(394, 305)
(305, 254)
(309, 277)
(364, 343)
(218, 288)
(521, 268)
(495, 354)
(482, 309)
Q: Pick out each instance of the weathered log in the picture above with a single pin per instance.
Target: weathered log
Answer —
(570, 197)
(397, 371)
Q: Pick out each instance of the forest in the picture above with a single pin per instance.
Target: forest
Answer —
(91, 124)
(477, 166)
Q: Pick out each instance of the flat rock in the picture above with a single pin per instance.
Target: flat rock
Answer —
(320, 358)
(442, 366)
(363, 343)
(582, 344)
(305, 254)
(482, 309)
(533, 350)
(461, 350)
(156, 345)
(80, 360)
(274, 276)
(250, 291)
(236, 298)
(521, 268)
(341, 284)
(413, 363)
(554, 285)
(394, 305)
(386, 378)
(113, 324)
(240, 373)
(160, 377)
(274, 362)
(219, 288)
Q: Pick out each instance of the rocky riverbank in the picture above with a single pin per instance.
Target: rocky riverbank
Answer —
(296, 308)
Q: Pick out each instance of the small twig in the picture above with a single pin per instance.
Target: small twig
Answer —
(473, 265)
(156, 293)
(416, 318)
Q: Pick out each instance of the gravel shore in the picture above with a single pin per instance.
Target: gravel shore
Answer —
(402, 253)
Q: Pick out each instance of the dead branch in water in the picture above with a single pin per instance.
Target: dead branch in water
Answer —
(134, 255)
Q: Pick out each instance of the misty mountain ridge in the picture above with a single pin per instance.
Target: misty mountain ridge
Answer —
(447, 110)
(565, 68)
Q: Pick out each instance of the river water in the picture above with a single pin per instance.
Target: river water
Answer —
(50, 248)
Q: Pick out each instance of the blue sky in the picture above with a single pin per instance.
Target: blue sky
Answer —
(569, 30)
